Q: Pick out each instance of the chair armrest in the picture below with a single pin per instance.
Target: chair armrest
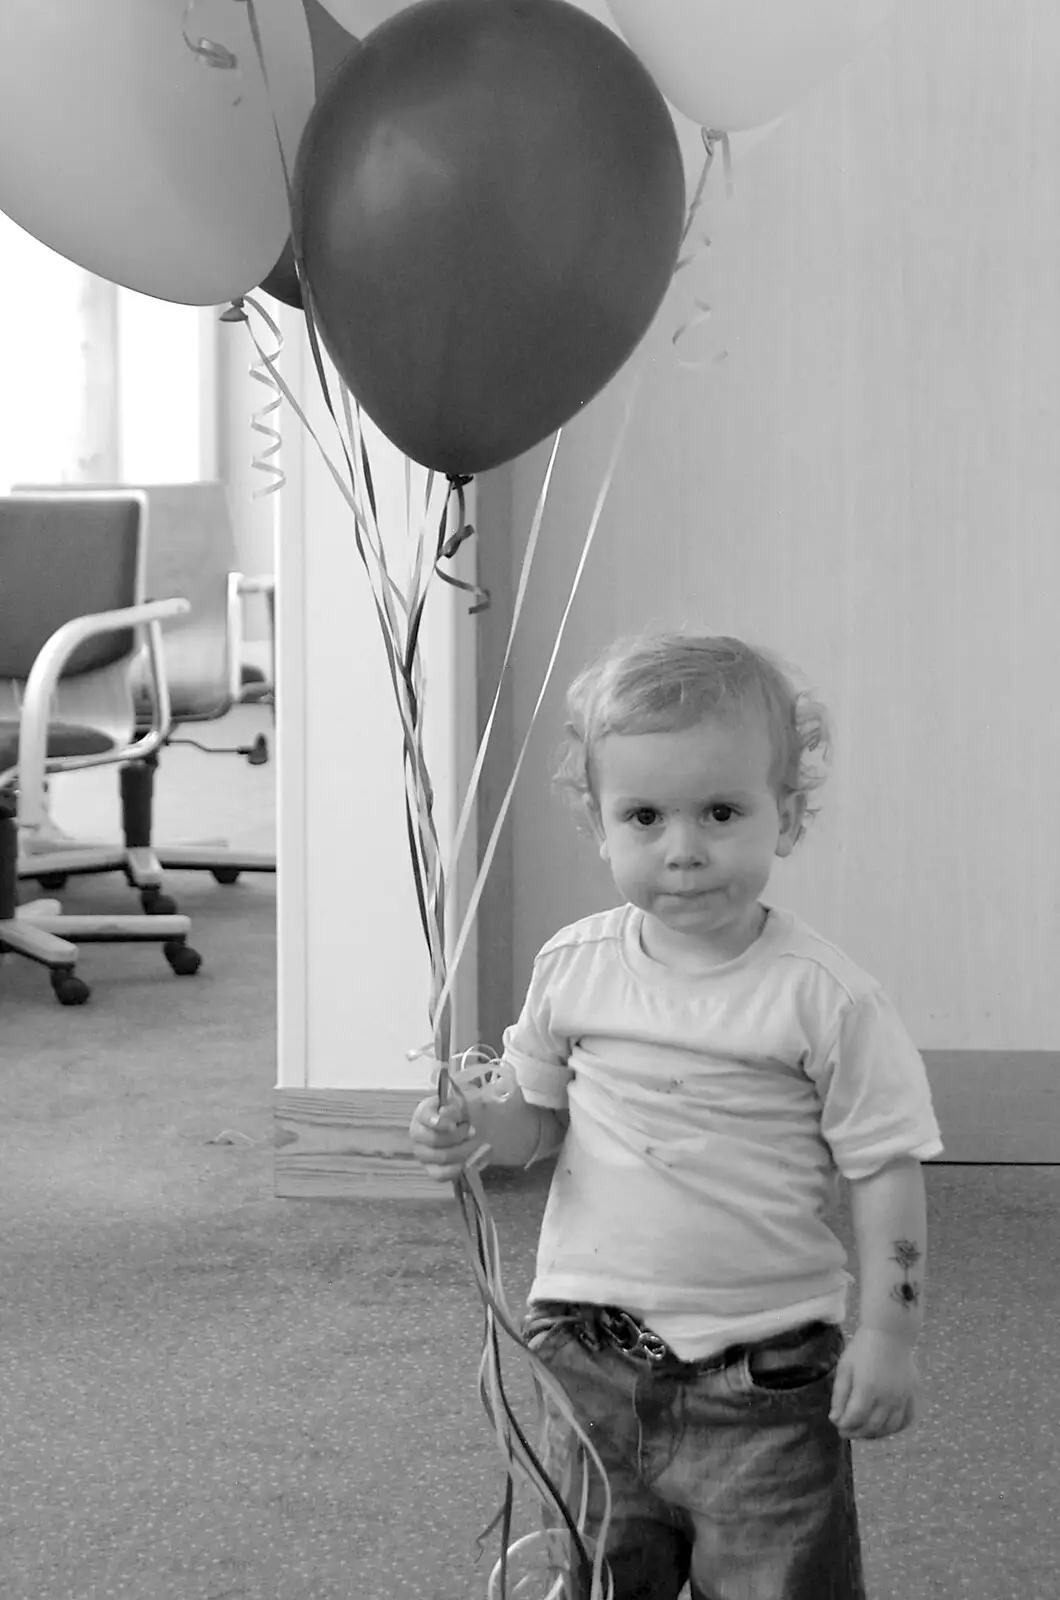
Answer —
(43, 681)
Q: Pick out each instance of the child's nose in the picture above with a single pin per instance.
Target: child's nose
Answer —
(684, 845)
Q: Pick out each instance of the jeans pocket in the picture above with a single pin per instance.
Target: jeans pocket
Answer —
(800, 1370)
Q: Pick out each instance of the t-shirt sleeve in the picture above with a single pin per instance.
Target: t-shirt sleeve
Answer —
(539, 1054)
(874, 1090)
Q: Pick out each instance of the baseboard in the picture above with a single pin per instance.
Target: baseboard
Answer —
(349, 1143)
(995, 1108)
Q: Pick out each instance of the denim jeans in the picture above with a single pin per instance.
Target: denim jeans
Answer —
(726, 1472)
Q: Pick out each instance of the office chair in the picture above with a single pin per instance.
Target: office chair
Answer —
(72, 621)
(190, 552)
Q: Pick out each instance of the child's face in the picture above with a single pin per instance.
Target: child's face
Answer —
(693, 811)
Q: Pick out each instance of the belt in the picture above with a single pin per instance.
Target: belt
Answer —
(596, 1326)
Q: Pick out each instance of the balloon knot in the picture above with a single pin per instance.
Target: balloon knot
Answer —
(458, 481)
(235, 312)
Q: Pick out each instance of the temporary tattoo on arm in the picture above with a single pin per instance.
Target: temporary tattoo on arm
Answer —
(907, 1255)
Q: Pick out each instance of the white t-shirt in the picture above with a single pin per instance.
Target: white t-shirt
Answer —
(711, 1116)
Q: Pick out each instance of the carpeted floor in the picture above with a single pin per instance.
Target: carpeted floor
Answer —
(207, 1392)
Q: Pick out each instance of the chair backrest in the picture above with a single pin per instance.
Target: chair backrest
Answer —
(66, 555)
(190, 552)
(191, 548)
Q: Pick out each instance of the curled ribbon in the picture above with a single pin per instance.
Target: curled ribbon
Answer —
(447, 548)
(261, 371)
(209, 51)
(701, 308)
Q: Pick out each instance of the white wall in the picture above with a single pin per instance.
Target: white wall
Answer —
(867, 484)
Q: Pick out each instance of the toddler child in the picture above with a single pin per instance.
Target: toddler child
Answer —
(706, 1067)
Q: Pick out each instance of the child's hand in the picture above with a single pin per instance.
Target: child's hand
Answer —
(876, 1386)
(443, 1139)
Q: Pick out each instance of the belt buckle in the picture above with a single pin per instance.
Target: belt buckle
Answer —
(645, 1343)
(651, 1347)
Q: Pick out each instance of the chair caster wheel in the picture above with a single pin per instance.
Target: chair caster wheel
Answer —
(69, 990)
(52, 880)
(225, 874)
(182, 958)
(157, 904)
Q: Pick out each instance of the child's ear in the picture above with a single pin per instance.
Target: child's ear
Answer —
(792, 810)
(597, 825)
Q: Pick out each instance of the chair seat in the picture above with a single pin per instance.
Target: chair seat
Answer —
(64, 739)
(195, 671)
(196, 676)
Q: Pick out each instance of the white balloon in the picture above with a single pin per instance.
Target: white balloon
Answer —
(688, 132)
(122, 149)
(735, 64)
(358, 16)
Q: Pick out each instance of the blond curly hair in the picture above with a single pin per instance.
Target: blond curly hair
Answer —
(669, 680)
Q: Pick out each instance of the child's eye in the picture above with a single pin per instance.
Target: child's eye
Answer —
(651, 814)
(645, 811)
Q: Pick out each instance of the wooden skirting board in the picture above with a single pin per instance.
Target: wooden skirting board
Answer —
(349, 1143)
(994, 1107)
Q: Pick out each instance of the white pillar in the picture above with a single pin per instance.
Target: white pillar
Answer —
(354, 973)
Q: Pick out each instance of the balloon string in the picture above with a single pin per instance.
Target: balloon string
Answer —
(261, 373)
(486, 1266)
(702, 310)
(476, 895)
(406, 685)
(424, 845)
(710, 140)
(384, 602)
(447, 549)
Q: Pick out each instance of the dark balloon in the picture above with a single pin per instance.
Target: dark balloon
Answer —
(490, 198)
(331, 45)
(330, 41)
(282, 282)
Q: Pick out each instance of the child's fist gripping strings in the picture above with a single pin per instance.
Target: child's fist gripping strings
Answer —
(443, 1137)
(485, 1120)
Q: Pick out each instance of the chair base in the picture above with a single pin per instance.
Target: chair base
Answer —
(213, 855)
(40, 933)
(47, 938)
(51, 862)
(50, 856)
